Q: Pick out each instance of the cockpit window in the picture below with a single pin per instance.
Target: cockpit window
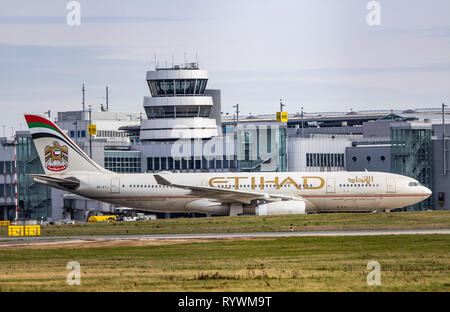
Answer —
(414, 184)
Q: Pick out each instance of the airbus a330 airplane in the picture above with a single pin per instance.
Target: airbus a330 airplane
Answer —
(68, 168)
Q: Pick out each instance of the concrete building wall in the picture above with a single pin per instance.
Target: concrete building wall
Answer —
(378, 129)
(299, 147)
(441, 185)
(216, 109)
(57, 204)
(215, 148)
(371, 158)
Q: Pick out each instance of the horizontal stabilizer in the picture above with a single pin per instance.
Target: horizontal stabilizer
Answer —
(68, 183)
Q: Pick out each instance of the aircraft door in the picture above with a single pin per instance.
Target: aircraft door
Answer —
(115, 185)
(390, 183)
(331, 185)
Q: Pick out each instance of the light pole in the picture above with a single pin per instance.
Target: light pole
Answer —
(90, 135)
(237, 112)
(303, 133)
(444, 150)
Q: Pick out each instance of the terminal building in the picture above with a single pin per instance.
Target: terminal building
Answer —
(182, 129)
(7, 188)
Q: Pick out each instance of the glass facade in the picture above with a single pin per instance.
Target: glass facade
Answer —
(178, 111)
(177, 87)
(7, 191)
(34, 198)
(155, 164)
(123, 161)
(261, 148)
(412, 156)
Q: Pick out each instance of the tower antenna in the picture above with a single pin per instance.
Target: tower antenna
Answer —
(107, 99)
(281, 105)
(82, 101)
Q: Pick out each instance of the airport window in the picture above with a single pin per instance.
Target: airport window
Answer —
(198, 164)
(156, 164)
(190, 86)
(170, 163)
(211, 164)
(218, 164)
(8, 190)
(187, 111)
(324, 160)
(168, 86)
(177, 165)
(2, 165)
(369, 158)
(225, 164)
(354, 158)
(152, 86)
(191, 163)
(383, 158)
(2, 190)
(205, 111)
(9, 167)
(204, 163)
(183, 163)
(179, 86)
(150, 163)
(163, 163)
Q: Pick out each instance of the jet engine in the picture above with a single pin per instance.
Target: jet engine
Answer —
(281, 208)
(207, 206)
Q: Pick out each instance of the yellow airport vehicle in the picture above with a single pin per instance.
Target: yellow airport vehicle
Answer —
(32, 230)
(15, 230)
(5, 223)
(102, 219)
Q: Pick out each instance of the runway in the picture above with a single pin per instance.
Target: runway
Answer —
(30, 240)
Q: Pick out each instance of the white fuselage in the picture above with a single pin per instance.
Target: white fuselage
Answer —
(322, 191)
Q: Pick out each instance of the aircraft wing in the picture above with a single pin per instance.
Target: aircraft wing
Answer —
(225, 195)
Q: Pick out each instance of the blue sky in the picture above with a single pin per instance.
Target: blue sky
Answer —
(321, 55)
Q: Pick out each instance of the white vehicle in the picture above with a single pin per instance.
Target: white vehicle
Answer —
(130, 219)
(68, 168)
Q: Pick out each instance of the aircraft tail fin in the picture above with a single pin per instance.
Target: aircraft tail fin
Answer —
(57, 152)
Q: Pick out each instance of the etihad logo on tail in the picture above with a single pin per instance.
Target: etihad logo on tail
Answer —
(56, 157)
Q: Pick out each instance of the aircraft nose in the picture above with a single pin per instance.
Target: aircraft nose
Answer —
(427, 192)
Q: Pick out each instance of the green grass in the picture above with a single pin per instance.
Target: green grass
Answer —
(408, 263)
(329, 221)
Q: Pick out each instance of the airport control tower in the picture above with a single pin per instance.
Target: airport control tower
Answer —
(179, 105)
